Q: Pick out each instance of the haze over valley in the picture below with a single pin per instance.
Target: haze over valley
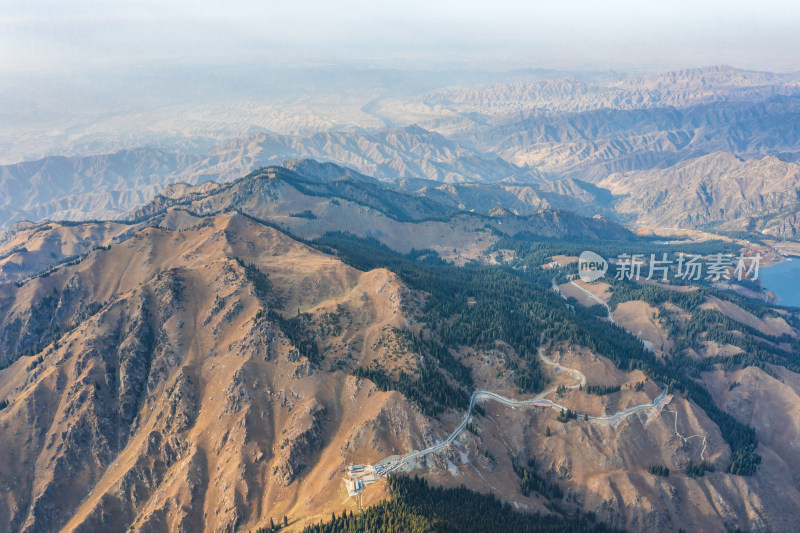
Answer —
(451, 267)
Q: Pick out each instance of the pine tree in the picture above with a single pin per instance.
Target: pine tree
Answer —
(547, 432)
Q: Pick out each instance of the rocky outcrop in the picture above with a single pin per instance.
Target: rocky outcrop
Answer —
(301, 441)
(176, 400)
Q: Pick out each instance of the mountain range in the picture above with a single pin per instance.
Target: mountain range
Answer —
(220, 321)
(219, 357)
(620, 133)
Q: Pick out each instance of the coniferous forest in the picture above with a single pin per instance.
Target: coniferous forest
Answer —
(414, 506)
(516, 304)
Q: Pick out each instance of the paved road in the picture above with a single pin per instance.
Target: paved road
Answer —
(538, 401)
(595, 298)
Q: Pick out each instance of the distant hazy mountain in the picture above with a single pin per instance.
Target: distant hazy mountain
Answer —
(105, 186)
(102, 186)
(390, 154)
(681, 88)
(520, 133)
(461, 109)
(593, 144)
(719, 190)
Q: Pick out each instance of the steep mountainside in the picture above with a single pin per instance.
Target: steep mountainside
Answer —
(310, 199)
(27, 249)
(403, 220)
(718, 190)
(569, 195)
(169, 390)
(200, 370)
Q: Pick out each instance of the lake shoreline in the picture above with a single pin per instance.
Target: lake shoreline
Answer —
(783, 280)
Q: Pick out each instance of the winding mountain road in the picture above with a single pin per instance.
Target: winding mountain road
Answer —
(595, 298)
(538, 401)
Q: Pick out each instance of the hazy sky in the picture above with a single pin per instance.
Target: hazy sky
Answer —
(54, 36)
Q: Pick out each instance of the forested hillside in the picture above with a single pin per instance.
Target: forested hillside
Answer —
(414, 506)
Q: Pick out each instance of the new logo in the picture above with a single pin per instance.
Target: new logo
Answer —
(591, 267)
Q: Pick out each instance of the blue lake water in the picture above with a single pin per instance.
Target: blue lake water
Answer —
(783, 279)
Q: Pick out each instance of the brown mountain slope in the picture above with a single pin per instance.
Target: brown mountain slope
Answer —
(170, 388)
(605, 465)
(310, 198)
(765, 402)
(179, 404)
(27, 249)
(401, 220)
